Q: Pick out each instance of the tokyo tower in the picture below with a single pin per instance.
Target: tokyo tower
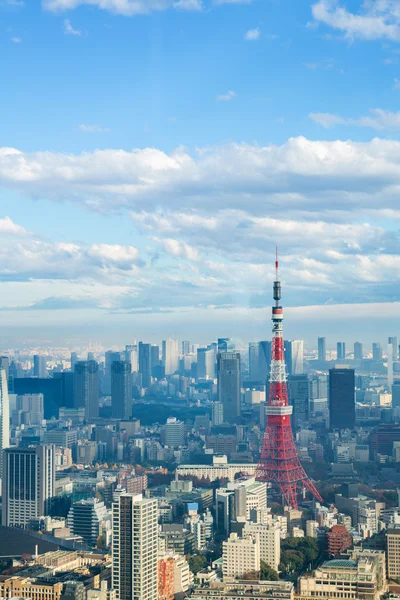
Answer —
(279, 462)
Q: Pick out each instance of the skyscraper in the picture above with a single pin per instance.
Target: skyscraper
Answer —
(358, 351)
(85, 517)
(322, 349)
(40, 366)
(185, 347)
(134, 548)
(205, 363)
(225, 345)
(217, 413)
(342, 407)
(131, 356)
(395, 348)
(170, 356)
(28, 484)
(264, 355)
(376, 351)
(4, 418)
(5, 364)
(254, 362)
(74, 360)
(67, 382)
(51, 388)
(298, 390)
(229, 384)
(341, 350)
(294, 356)
(121, 390)
(87, 388)
(145, 364)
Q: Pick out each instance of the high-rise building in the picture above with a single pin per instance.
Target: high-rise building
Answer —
(28, 484)
(358, 351)
(154, 356)
(145, 364)
(40, 366)
(135, 548)
(74, 360)
(229, 384)
(322, 349)
(170, 356)
(84, 519)
(396, 393)
(4, 417)
(254, 362)
(395, 348)
(393, 553)
(341, 351)
(298, 389)
(264, 355)
(174, 432)
(294, 356)
(121, 390)
(30, 407)
(87, 388)
(342, 398)
(217, 413)
(376, 351)
(131, 356)
(51, 388)
(225, 345)
(269, 538)
(5, 364)
(185, 347)
(240, 556)
(67, 382)
(205, 363)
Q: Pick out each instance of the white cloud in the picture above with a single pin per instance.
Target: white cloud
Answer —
(379, 19)
(252, 34)
(92, 128)
(378, 119)
(189, 5)
(232, 1)
(396, 84)
(128, 8)
(226, 97)
(69, 30)
(16, 40)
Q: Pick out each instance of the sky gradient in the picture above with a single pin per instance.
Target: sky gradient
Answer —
(154, 152)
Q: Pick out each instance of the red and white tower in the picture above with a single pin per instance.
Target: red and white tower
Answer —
(279, 462)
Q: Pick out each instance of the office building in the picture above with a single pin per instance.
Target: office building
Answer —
(342, 399)
(393, 342)
(205, 363)
(225, 345)
(131, 356)
(341, 351)
(245, 590)
(322, 349)
(185, 347)
(87, 388)
(339, 540)
(121, 390)
(240, 556)
(73, 590)
(74, 360)
(174, 433)
(269, 539)
(264, 356)
(66, 438)
(170, 354)
(29, 408)
(40, 366)
(67, 388)
(376, 351)
(396, 393)
(52, 390)
(4, 418)
(85, 518)
(294, 356)
(135, 548)
(28, 484)
(5, 364)
(217, 413)
(145, 364)
(229, 390)
(154, 357)
(393, 553)
(298, 390)
(358, 351)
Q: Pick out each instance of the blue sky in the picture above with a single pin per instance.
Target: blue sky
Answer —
(154, 152)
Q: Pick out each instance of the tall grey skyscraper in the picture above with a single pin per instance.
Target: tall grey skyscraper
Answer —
(264, 355)
(74, 360)
(28, 484)
(170, 354)
(341, 351)
(40, 366)
(145, 363)
(131, 356)
(205, 363)
(298, 390)
(229, 384)
(322, 349)
(254, 362)
(87, 388)
(395, 348)
(135, 548)
(294, 356)
(4, 417)
(358, 351)
(342, 405)
(376, 351)
(185, 347)
(121, 390)
(5, 364)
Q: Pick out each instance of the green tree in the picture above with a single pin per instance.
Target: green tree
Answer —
(267, 573)
(196, 562)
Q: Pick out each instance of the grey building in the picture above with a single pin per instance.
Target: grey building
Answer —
(121, 390)
(376, 351)
(298, 390)
(84, 519)
(342, 409)
(322, 349)
(87, 388)
(229, 384)
(40, 366)
(294, 356)
(225, 345)
(145, 363)
(341, 350)
(358, 351)
(28, 484)
(395, 348)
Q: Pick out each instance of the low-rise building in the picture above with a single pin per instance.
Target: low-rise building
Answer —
(240, 556)
(245, 590)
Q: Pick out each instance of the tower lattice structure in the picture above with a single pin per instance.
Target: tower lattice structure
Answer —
(279, 462)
